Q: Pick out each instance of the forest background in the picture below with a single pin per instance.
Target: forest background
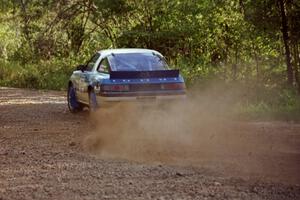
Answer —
(249, 46)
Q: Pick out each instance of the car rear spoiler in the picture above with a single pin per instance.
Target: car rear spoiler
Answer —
(144, 74)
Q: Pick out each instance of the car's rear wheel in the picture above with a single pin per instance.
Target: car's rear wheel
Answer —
(93, 105)
(73, 105)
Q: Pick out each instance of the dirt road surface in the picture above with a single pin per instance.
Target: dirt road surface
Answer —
(42, 157)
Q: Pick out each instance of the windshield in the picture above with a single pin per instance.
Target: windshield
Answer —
(137, 62)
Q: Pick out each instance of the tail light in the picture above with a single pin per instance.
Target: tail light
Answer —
(173, 86)
(115, 88)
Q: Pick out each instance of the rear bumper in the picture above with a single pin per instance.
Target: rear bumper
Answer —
(119, 99)
(119, 96)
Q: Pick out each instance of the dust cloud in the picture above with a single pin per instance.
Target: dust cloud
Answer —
(201, 130)
(164, 132)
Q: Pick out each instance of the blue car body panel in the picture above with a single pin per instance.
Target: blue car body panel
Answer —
(126, 85)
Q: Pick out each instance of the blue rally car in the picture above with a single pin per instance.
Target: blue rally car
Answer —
(116, 75)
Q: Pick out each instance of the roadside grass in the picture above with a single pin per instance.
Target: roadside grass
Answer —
(280, 104)
(44, 75)
(263, 111)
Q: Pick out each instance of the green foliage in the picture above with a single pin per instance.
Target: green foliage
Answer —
(45, 75)
(233, 42)
(277, 104)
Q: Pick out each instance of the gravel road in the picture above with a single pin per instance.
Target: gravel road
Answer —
(42, 156)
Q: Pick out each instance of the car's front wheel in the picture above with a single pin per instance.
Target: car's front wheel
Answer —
(73, 105)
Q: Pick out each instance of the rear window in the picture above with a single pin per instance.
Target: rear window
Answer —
(137, 62)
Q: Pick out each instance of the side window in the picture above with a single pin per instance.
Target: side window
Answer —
(103, 66)
(92, 62)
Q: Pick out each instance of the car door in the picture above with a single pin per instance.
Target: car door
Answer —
(84, 79)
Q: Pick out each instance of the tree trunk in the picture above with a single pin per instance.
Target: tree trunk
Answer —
(297, 66)
(25, 21)
(234, 65)
(257, 67)
(285, 37)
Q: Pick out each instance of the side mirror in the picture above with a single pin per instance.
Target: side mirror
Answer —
(81, 67)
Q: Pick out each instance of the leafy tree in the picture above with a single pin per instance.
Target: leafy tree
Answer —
(245, 40)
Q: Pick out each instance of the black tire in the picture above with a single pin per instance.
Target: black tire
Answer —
(93, 104)
(73, 105)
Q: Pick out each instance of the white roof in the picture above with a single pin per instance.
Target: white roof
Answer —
(126, 50)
